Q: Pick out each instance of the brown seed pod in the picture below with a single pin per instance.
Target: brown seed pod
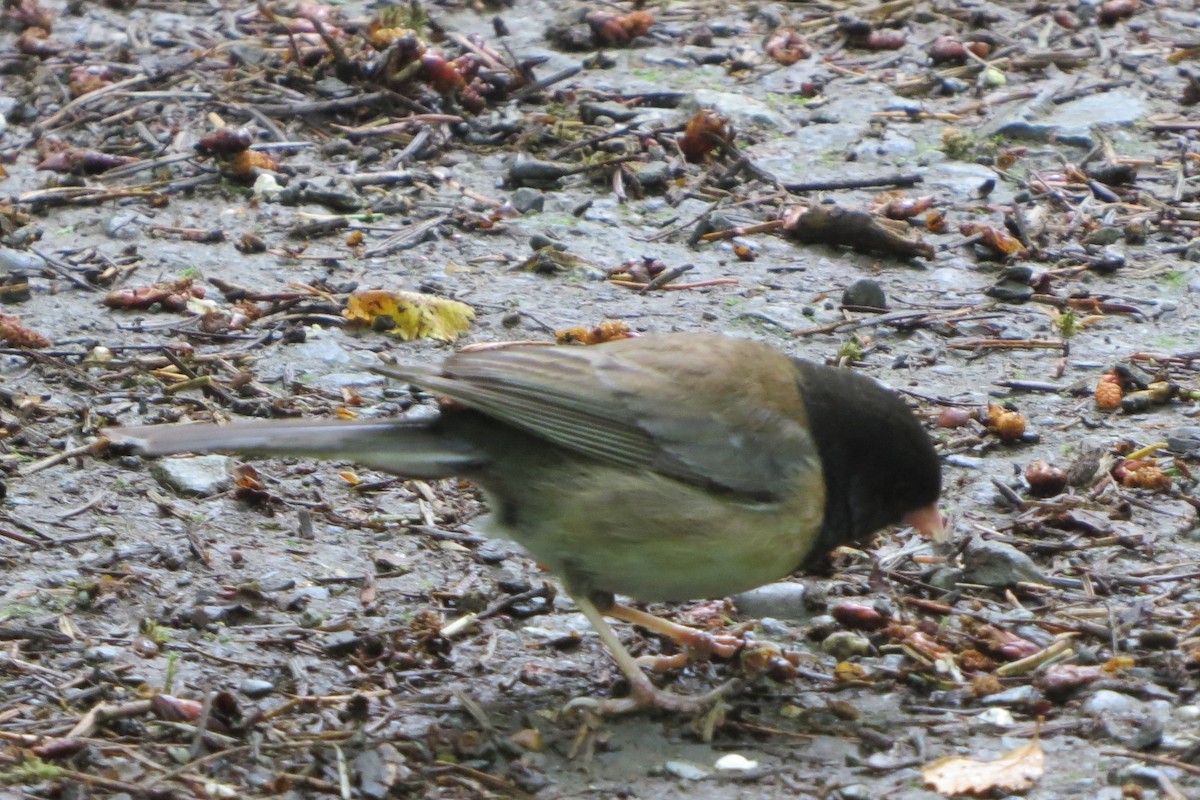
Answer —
(955, 417)
(1108, 392)
(1114, 11)
(1008, 425)
(1045, 479)
(702, 134)
(224, 142)
(946, 49)
(859, 616)
(1146, 476)
(885, 40)
(787, 46)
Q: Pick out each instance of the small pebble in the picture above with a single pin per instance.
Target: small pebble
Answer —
(254, 688)
(865, 293)
(685, 770)
(845, 644)
(734, 762)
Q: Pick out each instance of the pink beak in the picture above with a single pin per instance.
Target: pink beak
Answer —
(928, 520)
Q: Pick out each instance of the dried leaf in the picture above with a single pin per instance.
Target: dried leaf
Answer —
(410, 315)
(1015, 771)
(13, 333)
(606, 331)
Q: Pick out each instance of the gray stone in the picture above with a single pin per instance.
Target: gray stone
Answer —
(1018, 697)
(123, 225)
(1106, 703)
(865, 293)
(685, 770)
(336, 381)
(740, 108)
(780, 600)
(846, 644)
(100, 653)
(654, 175)
(254, 688)
(945, 578)
(1072, 123)
(998, 564)
(20, 261)
(890, 146)
(526, 200)
(199, 475)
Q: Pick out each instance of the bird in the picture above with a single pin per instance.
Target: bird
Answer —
(663, 467)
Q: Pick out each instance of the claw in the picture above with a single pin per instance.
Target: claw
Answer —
(643, 693)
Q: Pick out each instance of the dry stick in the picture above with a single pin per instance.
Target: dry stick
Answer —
(90, 504)
(666, 276)
(1191, 769)
(678, 286)
(593, 140)
(895, 179)
(22, 538)
(1008, 344)
(399, 125)
(722, 205)
(90, 97)
(488, 57)
(1029, 386)
(83, 194)
(549, 80)
(57, 458)
(326, 106)
(102, 713)
(149, 164)
(398, 241)
(917, 317)
(221, 754)
(744, 230)
(340, 59)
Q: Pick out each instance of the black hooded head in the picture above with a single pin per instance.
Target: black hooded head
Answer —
(879, 463)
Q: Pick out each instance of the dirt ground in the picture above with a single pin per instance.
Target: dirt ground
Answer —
(304, 628)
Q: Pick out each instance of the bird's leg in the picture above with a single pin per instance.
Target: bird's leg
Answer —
(696, 644)
(643, 693)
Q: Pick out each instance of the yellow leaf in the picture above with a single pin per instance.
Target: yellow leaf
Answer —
(848, 672)
(410, 315)
(1015, 771)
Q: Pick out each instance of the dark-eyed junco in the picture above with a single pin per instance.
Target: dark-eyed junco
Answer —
(663, 467)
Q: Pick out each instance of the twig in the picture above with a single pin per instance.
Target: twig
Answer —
(897, 179)
(58, 458)
(22, 538)
(743, 230)
(912, 319)
(1008, 344)
(678, 286)
(666, 276)
(1028, 386)
(91, 97)
(1191, 769)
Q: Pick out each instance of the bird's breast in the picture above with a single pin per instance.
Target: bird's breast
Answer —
(650, 537)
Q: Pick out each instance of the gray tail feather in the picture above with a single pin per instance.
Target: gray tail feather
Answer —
(413, 449)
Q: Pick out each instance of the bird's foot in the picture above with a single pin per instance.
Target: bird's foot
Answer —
(703, 645)
(642, 691)
(649, 696)
(709, 708)
(696, 646)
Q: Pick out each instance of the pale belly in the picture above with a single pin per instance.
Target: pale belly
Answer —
(652, 538)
